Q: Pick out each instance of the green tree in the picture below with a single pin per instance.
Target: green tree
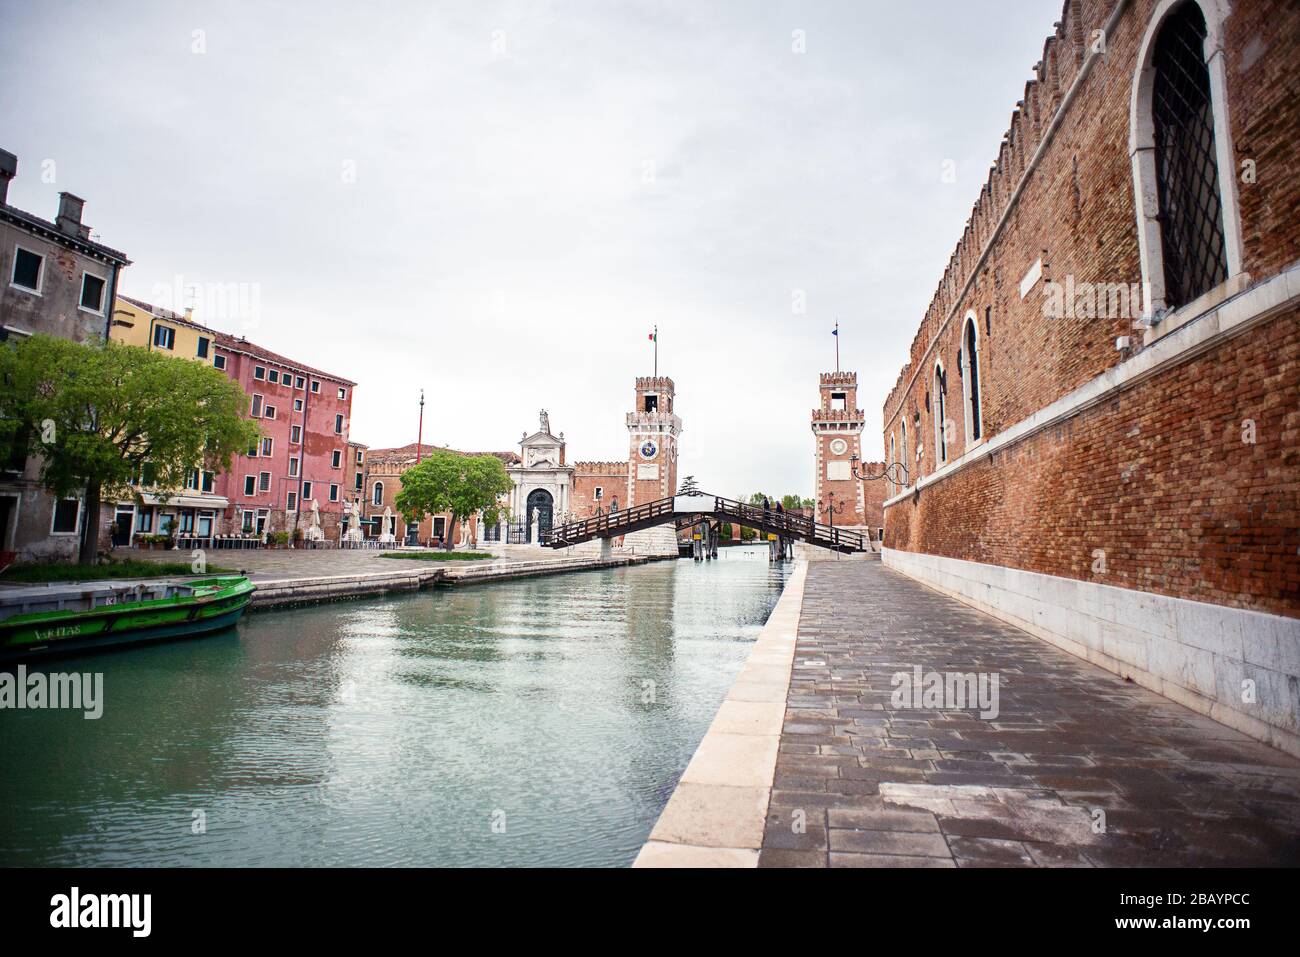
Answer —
(98, 414)
(450, 482)
(790, 502)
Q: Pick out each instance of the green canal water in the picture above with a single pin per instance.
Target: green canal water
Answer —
(537, 722)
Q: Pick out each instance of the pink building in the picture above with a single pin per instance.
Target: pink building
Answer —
(304, 416)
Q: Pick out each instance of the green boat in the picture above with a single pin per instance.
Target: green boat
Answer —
(66, 618)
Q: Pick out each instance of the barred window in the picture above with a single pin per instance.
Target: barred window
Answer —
(1187, 172)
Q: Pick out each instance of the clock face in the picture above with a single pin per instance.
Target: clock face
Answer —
(649, 449)
(839, 446)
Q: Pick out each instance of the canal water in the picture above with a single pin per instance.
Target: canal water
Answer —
(536, 722)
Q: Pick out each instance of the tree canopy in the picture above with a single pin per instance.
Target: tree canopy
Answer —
(96, 414)
(447, 481)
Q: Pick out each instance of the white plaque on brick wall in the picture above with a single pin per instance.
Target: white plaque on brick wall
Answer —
(1031, 278)
(648, 471)
(838, 471)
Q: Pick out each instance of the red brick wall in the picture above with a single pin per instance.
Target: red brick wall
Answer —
(1158, 478)
(610, 477)
(1077, 214)
(1181, 506)
(873, 495)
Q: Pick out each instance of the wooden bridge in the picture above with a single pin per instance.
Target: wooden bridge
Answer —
(700, 507)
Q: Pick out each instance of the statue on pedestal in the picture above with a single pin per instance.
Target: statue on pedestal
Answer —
(355, 535)
(386, 536)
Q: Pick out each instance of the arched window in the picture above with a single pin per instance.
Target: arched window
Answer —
(1189, 236)
(379, 493)
(1187, 169)
(939, 410)
(970, 380)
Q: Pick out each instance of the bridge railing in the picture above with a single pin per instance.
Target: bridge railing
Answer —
(789, 522)
(782, 522)
(611, 523)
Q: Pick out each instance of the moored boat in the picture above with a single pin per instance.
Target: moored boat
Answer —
(60, 619)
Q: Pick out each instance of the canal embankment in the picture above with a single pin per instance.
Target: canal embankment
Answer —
(717, 813)
(306, 590)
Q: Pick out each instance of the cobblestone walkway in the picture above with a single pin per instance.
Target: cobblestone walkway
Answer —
(1079, 768)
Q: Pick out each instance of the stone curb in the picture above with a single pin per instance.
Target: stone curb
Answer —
(716, 814)
(280, 592)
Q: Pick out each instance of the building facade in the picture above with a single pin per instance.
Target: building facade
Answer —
(302, 455)
(837, 425)
(653, 429)
(543, 482)
(1098, 418)
(382, 477)
(197, 510)
(57, 281)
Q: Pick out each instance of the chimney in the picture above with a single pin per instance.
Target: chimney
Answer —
(69, 218)
(8, 170)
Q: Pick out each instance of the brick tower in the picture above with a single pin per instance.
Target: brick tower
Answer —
(653, 428)
(837, 426)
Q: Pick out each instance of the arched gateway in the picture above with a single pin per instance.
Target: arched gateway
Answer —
(540, 512)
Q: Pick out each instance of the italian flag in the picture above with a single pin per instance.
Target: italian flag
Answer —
(654, 337)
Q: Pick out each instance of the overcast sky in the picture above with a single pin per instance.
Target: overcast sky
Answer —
(496, 202)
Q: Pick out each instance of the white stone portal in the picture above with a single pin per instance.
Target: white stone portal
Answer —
(542, 468)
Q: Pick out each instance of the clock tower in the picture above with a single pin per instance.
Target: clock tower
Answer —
(837, 426)
(653, 428)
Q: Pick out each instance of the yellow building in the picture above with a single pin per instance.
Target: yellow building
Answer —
(137, 323)
(194, 512)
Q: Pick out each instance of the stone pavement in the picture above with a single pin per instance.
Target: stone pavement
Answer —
(1078, 768)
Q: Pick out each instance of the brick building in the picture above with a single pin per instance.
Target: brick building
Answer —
(597, 488)
(303, 453)
(1098, 418)
(56, 280)
(653, 428)
(382, 479)
(837, 425)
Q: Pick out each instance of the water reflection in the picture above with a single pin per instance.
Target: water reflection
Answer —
(395, 731)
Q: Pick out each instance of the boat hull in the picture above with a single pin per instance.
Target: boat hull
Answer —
(117, 626)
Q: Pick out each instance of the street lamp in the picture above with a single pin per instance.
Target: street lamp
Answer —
(828, 506)
(891, 472)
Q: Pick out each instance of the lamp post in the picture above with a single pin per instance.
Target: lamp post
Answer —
(828, 506)
(890, 472)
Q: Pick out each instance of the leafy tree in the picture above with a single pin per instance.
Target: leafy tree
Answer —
(102, 415)
(790, 502)
(447, 481)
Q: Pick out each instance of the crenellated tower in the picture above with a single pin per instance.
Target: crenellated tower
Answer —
(837, 426)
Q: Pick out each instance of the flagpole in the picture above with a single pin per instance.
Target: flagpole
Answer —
(419, 435)
(656, 352)
(837, 345)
